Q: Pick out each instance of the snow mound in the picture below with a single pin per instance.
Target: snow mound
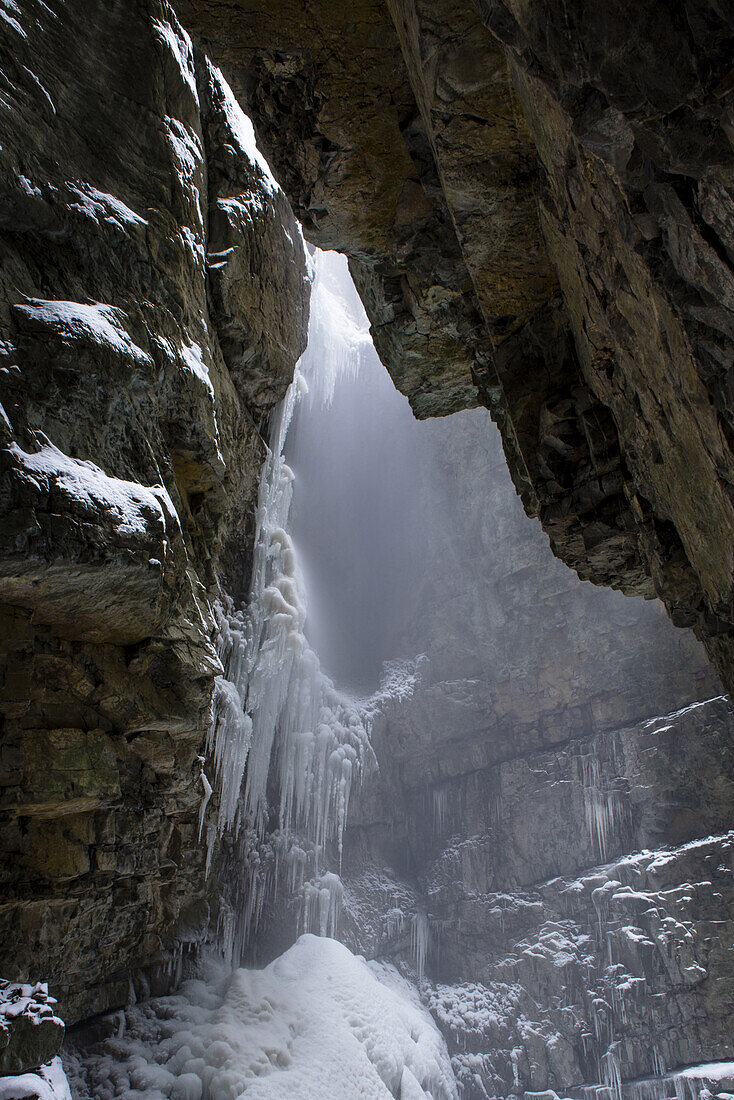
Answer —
(317, 1022)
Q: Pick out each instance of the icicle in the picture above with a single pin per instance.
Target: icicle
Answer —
(211, 836)
(395, 919)
(229, 740)
(207, 789)
(440, 808)
(419, 941)
(603, 807)
(612, 1066)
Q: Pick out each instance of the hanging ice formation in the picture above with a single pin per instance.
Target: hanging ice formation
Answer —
(275, 710)
(603, 803)
(419, 941)
(315, 737)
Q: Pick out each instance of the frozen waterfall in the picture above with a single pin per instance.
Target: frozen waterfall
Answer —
(276, 703)
(286, 746)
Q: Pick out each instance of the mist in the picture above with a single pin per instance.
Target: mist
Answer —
(359, 520)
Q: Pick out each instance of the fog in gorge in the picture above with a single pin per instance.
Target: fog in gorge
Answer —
(359, 520)
(411, 538)
(394, 558)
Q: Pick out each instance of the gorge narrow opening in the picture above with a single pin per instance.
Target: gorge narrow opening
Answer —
(321, 777)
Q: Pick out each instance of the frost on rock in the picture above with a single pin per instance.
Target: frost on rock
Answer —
(317, 1022)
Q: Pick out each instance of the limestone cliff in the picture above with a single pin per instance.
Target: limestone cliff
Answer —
(549, 822)
(153, 303)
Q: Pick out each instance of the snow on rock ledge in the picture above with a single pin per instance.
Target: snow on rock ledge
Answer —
(318, 1021)
(48, 1083)
(87, 547)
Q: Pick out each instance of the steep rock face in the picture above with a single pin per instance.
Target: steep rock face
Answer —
(153, 304)
(548, 832)
(538, 219)
(545, 845)
(636, 208)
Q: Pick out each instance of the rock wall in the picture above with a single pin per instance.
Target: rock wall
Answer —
(547, 837)
(538, 219)
(153, 303)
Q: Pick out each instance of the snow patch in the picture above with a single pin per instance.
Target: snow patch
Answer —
(177, 41)
(47, 1083)
(103, 207)
(131, 507)
(6, 7)
(193, 358)
(243, 130)
(102, 324)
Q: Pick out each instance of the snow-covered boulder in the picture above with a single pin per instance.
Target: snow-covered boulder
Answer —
(30, 1031)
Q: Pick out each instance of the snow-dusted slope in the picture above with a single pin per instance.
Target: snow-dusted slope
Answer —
(318, 1022)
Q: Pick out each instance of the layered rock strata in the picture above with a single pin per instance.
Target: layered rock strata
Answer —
(153, 304)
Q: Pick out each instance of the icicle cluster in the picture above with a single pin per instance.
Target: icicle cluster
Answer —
(230, 730)
(338, 331)
(419, 941)
(321, 904)
(603, 807)
(440, 808)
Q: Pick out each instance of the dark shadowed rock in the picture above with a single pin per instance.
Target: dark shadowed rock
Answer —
(153, 304)
(536, 201)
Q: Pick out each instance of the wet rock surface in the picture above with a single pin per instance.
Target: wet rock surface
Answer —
(153, 305)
